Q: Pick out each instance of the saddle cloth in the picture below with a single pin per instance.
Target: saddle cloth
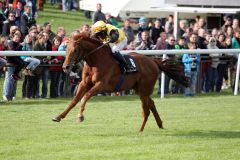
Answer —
(131, 63)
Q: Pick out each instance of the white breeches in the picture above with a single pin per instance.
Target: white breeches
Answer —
(119, 46)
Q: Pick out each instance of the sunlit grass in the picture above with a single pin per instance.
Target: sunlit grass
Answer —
(205, 128)
(71, 20)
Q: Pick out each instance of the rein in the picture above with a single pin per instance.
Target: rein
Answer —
(85, 56)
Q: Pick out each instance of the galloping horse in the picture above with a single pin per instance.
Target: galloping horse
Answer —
(101, 73)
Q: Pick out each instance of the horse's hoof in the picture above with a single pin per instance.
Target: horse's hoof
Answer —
(80, 119)
(56, 119)
(161, 127)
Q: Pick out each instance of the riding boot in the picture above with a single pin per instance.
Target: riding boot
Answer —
(120, 58)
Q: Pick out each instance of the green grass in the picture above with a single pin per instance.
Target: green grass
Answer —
(200, 128)
(71, 20)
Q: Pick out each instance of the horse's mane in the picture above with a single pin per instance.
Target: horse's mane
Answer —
(83, 36)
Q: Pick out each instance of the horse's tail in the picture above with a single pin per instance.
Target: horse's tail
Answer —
(172, 69)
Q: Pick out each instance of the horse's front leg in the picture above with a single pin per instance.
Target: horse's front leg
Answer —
(82, 89)
(95, 89)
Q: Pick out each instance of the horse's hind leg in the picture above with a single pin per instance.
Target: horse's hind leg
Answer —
(86, 97)
(80, 92)
(155, 113)
(145, 111)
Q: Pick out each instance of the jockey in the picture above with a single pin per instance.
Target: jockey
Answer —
(108, 33)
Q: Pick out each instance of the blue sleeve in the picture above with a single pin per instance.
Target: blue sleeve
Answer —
(186, 58)
(61, 48)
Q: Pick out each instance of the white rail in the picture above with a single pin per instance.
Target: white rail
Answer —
(145, 52)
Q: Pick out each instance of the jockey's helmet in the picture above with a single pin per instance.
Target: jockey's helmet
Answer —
(99, 26)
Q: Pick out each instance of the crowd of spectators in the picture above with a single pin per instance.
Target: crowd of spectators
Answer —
(20, 32)
(214, 72)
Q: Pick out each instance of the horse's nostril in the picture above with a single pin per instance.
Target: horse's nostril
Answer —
(66, 67)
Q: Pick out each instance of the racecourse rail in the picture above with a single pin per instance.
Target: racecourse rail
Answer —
(145, 52)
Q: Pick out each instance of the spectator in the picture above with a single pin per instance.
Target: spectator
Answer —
(32, 62)
(170, 46)
(39, 28)
(182, 28)
(155, 31)
(228, 23)
(145, 43)
(169, 26)
(201, 41)
(206, 63)
(14, 45)
(223, 65)
(235, 24)
(87, 14)
(3, 16)
(3, 47)
(27, 20)
(61, 32)
(161, 42)
(229, 32)
(142, 27)
(214, 64)
(19, 12)
(214, 34)
(178, 88)
(85, 29)
(47, 30)
(11, 77)
(98, 15)
(48, 42)
(187, 34)
(161, 45)
(55, 71)
(180, 44)
(66, 5)
(235, 45)
(8, 23)
(191, 62)
(193, 39)
(201, 23)
(196, 27)
(111, 20)
(127, 29)
(32, 32)
(30, 80)
(40, 45)
(64, 80)
(236, 40)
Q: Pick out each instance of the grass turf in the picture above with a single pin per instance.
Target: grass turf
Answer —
(70, 20)
(201, 128)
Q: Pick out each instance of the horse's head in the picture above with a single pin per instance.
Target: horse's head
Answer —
(74, 53)
(79, 48)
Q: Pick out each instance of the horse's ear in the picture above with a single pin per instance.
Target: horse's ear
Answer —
(75, 37)
(84, 35)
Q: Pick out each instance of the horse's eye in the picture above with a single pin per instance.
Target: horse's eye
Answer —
(75, 50)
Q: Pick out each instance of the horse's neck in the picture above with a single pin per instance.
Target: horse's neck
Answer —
(99, 58)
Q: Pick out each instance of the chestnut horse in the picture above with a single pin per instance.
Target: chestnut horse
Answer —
(101, 73)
